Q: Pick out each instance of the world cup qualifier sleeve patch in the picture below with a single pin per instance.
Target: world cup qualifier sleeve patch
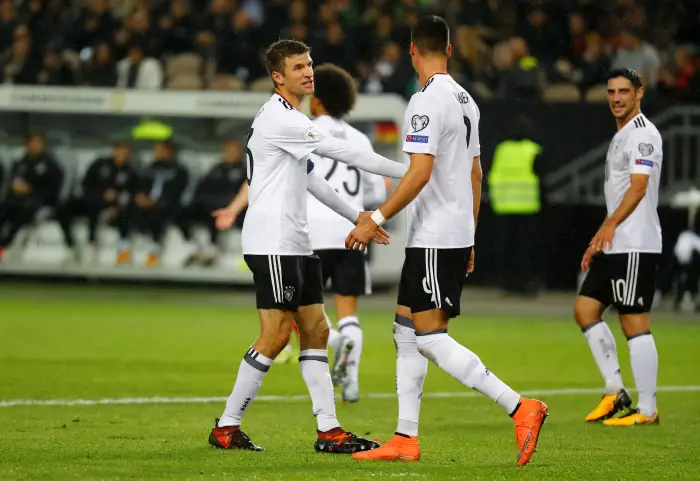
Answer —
(417, 139)
(645, 149)
(419, 122)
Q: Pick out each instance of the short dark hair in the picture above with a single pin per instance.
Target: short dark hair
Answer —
(335, 88)
(627, 73)
(278, 52)
(431, 35)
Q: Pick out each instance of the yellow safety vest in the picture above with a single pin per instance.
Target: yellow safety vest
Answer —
(513, 186)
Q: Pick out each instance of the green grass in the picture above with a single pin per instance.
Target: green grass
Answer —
(79, 347)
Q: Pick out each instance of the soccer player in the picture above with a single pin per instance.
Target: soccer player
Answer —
(622, 258)
(443, 188)
(277, 249)
(334, 96)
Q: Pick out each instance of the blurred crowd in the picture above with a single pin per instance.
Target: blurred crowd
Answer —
(533, 49)
(117, 191)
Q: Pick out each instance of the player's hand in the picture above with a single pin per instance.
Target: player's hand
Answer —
(470, 266)
(604, 237)
(365, 231)
(588, 258)
(224, 218)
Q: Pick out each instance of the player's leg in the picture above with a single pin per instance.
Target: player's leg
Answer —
(350, 280)
(411, 370)
(313, 362)
(595, 296)
(633, 305)
(270, 274)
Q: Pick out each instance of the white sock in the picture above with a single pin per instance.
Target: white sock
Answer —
(411, 369)
(250, 375)
(334, 337)
(645, 366)
(350, 326)
(466, 367)
(602, 342)
(314, 370)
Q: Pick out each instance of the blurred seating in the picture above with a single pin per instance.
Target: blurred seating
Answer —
(185, 82)
(597, 93)
(561, 93)
(263, 84)
(226, 82)
(184, 64)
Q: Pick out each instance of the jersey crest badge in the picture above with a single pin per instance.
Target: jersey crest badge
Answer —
(419, 122)
(646, 149)
(288, 293)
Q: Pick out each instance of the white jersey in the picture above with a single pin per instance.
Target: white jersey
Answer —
(279, 143)
(442, 119)
(635, 149)
(328, 229)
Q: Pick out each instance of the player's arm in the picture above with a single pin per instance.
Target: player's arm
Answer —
(363, 159)
(477, 178)
(645, 156)
(227, 216)
(319, 187)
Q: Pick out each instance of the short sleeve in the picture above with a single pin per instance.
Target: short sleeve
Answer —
(297, 136)
(644, 151)
(424, 125)
(475, 142)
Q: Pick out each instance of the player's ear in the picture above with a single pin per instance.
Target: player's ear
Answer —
(278, 78)
(412, 49)
(449, 50)
(640, 93)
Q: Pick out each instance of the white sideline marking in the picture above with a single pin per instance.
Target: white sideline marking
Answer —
(303, 397)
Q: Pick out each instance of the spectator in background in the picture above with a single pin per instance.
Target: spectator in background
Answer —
(19, 64)
(336, 49)
(100, 69)
(137, 28)
(55, 71)
(36, 181)
(392, 73)
(543, 37)
(138, 71)
(523, 79)
(640, 56)
(593, 65)
(213, 192)
(177, 28)
(107, 187)
(682, 82)
(212, 25)
(8, 22)
(94, 24)
(237, 50)
(156, 202)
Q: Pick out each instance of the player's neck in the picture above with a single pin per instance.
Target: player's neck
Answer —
(622, 122)
(430, 67)
(293, 100)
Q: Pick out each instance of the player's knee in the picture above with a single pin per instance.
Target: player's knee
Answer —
(317, 329)
(279, 337)
(585, 315)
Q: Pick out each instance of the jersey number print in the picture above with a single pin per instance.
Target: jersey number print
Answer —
(249, 154)
(351, 192)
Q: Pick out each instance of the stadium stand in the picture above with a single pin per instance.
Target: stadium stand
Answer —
(555, 42)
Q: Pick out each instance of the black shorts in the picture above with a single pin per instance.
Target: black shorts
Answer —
(433, 279)
(286, 282)
(347, 271)
(626, 281)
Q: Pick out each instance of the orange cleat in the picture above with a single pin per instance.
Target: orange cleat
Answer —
(529, 418)
(400, 448)
(152, 260)
(123, 257)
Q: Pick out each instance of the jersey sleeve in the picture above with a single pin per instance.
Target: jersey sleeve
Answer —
(475, 141)
(297, 136)
(644, 151)
(425, 125)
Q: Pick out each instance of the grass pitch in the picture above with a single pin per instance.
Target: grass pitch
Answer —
(68, 344)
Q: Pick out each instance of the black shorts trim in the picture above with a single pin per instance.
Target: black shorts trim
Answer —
(626, 281)
(286, 282)
(346, 270)
(433, 279)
